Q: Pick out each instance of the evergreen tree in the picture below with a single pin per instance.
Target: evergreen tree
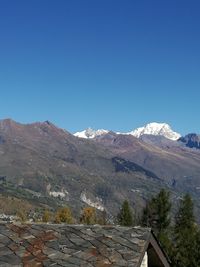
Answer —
(197, 248)
(156, 215)
(125, 217)
(186, 236)
(148, 215)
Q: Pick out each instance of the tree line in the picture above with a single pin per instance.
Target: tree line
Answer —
(178, 235)
(88, 216)
(179, 238)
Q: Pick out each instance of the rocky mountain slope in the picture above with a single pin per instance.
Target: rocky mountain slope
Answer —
(191, 140)
(169, 160)
(47, 166)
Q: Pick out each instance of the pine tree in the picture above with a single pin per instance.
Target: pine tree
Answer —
(148, 215)
(197, 248)
(186, 236)
(156, 215)
(125, 216)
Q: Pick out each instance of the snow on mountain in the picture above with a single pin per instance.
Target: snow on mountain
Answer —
(155, 128)
(90, 133)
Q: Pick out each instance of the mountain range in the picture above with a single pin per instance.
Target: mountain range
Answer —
(157, 129)
(46, 166)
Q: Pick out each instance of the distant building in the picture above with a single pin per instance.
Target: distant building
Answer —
(37, 245)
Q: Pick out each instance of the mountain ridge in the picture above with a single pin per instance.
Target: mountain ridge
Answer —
(154, 128)
(44, 164)
(191, 140)
(48, 166)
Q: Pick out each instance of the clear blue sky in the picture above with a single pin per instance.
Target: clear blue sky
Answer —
(101, 63)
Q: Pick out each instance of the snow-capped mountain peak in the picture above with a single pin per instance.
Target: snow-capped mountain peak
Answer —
(155, 128)
(90, 133)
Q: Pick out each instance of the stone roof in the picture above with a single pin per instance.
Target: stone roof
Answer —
(36, 245)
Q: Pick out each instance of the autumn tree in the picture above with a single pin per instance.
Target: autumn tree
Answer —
(22, 215)
(102, 218)
(64, 215)
(46, 216)
(88, 216)
(125, 216)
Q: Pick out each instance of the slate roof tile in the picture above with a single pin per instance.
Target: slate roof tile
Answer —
(37, 245)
